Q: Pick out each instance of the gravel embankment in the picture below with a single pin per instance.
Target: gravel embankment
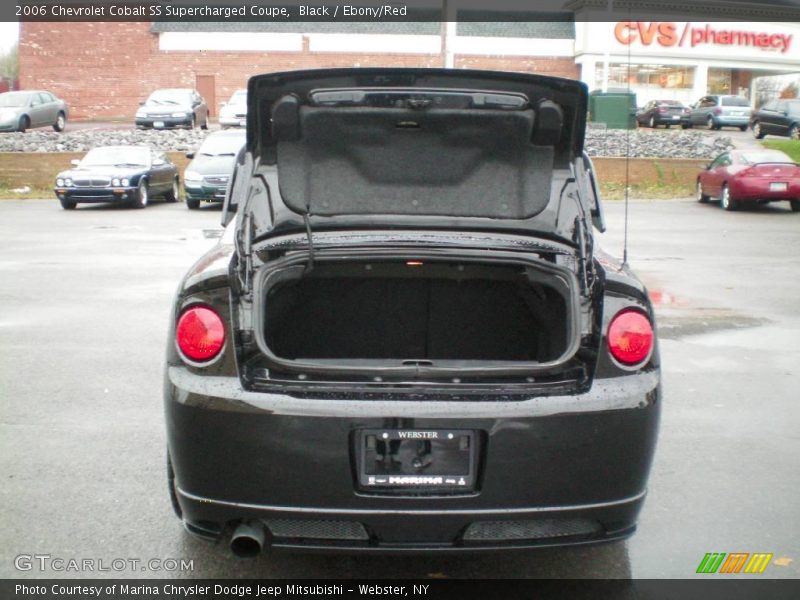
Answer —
(599, 142)
(656, 144)
(181, 140)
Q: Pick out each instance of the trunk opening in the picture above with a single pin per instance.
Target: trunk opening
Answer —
(418, 315)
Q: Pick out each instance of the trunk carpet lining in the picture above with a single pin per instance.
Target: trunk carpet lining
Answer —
(407, 319)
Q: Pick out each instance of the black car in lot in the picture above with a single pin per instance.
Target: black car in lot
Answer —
(130, 174)
(777, 117)
(170, 108)
(660, 112)
(408, 338)
(206, 177)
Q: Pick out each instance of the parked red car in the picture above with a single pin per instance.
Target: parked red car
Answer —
(742, 177)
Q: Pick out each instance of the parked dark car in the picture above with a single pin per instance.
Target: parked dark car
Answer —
(742, 177)
(20, 111)
(206, 177)
(408, 338)
(715, 112)
(660, 112)
(778, 117)
(169, 108)
(131, 174)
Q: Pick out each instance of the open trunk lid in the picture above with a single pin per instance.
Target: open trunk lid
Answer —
(389, 143)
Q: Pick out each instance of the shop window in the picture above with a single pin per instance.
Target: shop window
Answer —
(647, 75)
(719, 81)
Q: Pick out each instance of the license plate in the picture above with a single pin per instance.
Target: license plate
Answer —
(158, 123)
(675, 117)
(778, 186)
(242, 123)
(414, 460)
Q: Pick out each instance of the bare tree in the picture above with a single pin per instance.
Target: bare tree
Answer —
(766, 89)
(790, 91)
(9, 63)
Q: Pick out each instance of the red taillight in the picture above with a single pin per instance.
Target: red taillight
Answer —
(630, 337)
(200, 333)
(717, 111)
(662, 109)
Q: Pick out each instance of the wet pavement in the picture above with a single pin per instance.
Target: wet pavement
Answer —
(85, 296)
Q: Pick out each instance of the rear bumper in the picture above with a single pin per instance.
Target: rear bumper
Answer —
(667, 120)
(207, 193)
(320, 528)
(232, 121)
(167, 121)
(756, 189)
(552, 471)
(728, 121)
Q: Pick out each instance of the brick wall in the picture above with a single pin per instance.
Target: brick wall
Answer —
(104, 69)
(555, 66)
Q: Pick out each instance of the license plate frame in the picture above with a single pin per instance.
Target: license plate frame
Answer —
(158, 124)
(778, 186)
(448, 460)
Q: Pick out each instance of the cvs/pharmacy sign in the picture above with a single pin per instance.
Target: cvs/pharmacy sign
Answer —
(679, 35)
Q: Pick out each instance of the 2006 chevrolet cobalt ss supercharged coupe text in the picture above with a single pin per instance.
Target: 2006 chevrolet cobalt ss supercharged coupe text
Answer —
(407, 339)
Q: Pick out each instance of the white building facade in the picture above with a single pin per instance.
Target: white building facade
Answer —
(684, 60)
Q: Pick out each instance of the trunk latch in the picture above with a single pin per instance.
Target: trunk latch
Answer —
(418, 363)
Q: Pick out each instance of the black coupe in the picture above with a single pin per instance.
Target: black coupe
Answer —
(129, 174)
(408, 339)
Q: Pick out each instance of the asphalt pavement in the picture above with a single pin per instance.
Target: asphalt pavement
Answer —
(85, 296)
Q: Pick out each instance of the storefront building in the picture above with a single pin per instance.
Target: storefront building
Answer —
(684, 60)
(104, 69)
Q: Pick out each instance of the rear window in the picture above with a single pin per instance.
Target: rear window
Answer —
(765, 156)
(238, 97)
(222, 145)
(734, 101)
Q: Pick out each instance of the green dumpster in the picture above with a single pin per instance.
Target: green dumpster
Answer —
(615, 109)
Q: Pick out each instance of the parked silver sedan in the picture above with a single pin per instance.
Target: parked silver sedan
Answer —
(20, 111)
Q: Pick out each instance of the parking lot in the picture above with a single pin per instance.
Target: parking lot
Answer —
(85, 298)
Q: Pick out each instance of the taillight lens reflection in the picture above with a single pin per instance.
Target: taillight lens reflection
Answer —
(200, 333)
(630, 337)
